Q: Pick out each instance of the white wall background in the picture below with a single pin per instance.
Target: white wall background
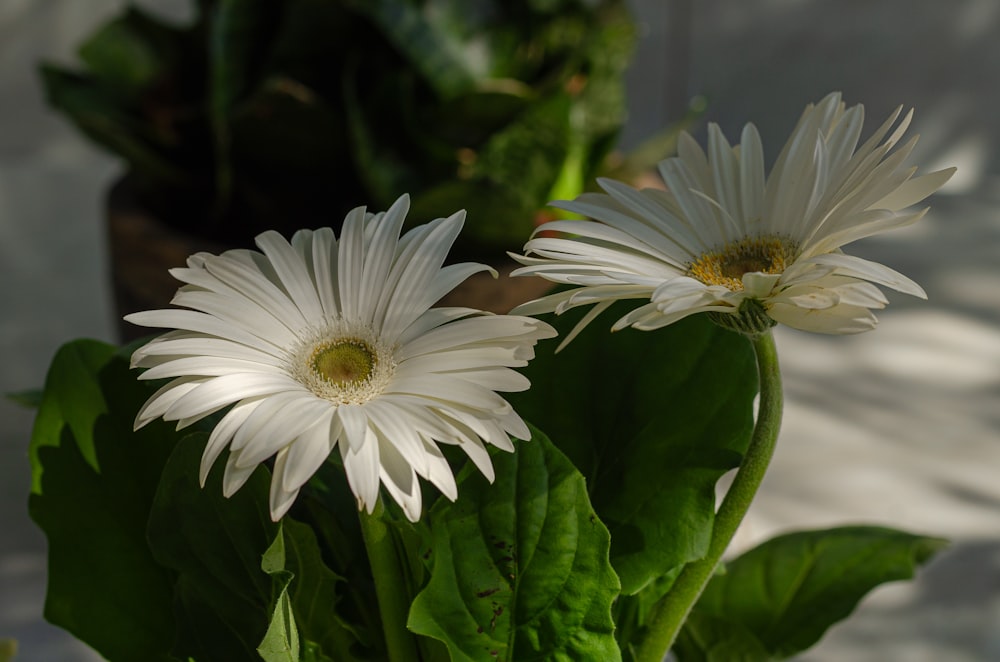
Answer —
(898, 427)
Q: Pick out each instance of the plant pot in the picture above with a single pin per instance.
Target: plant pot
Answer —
(143, 248)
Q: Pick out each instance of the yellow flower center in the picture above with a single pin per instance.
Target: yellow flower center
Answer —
(769, 255)
(344, 361)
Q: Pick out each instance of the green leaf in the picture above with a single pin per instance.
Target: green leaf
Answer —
(238, 31)
(131, 52)
(430, 46)
(317, 594)
(285, 128)
(92, 488)
(520, 568)
(8, 649)
(238, 34)
(214, 546)
(653, 420)
(29, 398)
(706, 638)
(281, 641)
(789, 590)
(73, 397)
(381, 170)
(101, 116)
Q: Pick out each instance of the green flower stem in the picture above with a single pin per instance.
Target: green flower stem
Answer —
(390, 585)
(668, 615)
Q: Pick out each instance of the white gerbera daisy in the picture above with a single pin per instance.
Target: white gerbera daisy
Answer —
(750, 249)
(321, 344)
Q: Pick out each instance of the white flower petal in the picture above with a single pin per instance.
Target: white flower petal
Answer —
(351, 263)
(203, 366)
(310, 450)
(190, 320)
(316, 343)
(223, 433)
(362, 469)
(741, 233)
(220, 391)
(292, 272)
(857, 267)
(354, 423)
(324, 267)
(915, 190)
(413, 276)
(759, 285)
(175, 346)
(256, 286)
(280, 498)
(295, 418)
(380, 254)
(842, 319)
(401, 483)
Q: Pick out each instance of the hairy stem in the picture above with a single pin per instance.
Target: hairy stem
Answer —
(390, 585)
(668, 615)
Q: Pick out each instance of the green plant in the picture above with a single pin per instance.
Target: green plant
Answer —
(283, 114)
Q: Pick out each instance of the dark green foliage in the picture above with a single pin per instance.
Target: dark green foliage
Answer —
(287, 113)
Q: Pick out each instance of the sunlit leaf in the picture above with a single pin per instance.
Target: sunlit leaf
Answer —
(788, 591)
(520, 568)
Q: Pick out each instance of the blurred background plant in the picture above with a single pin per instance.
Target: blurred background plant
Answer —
(284, 114)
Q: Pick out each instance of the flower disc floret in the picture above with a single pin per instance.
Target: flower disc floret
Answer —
(727, 265)
(343, 363)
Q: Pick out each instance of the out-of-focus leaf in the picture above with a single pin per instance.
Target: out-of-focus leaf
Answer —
(131, 53)
(8, 649)
(30, 398)
(379, 166)
(431, 47)
(102, 118)
(643, 158)
(237, 31)
(286, 126)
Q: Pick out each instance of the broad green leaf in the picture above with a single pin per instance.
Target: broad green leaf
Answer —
(214, 546)
(73, 397)
(706, 638)
(93, 485)
(520, 568)
(790, 589)
(653, 420)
